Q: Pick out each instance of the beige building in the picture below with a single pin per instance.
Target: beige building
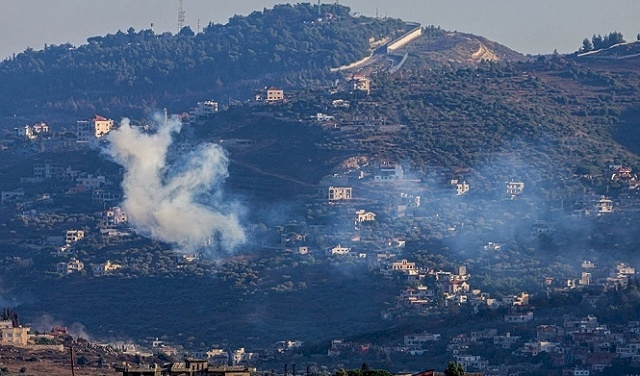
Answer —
(604, 206)
(13, 335)
(365, 216)
(88, 130)
(361, 83)
(105, 268)
(274, 94)
(404, 266)
(340, 193)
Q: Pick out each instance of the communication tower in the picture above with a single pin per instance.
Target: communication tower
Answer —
(181, 16)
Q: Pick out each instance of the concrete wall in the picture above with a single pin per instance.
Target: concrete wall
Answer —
(405, 38)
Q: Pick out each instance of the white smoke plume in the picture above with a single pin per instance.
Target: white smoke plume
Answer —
(178, 201)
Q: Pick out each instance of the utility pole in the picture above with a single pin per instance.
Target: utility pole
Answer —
(181, 14)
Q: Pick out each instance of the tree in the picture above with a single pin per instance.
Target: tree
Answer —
(586, 45)
(454, 369)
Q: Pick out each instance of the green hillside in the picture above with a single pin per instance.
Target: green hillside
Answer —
(128, 72)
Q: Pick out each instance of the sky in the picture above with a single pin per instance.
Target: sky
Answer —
(528, 26)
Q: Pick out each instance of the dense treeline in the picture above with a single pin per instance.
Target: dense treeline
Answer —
(599, 42)
(286, 39)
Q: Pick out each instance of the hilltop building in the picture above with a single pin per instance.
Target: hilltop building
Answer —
(93, 129)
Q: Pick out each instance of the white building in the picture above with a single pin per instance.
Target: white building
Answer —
(92, 182)
(514, 188)
(518, 317)
(205, 109)
(339, 250)
(416, 341)
(74, 265)
(388, 172)
(73, 236)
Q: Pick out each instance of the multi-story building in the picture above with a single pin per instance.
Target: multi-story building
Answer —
(73, 236)
(114, 216)
(404, 266)
(13, 334)
(274, 94)
(388, 172)
(92, 129)
(340, 193)
(514, 188)
(74, 265)
(205, 109)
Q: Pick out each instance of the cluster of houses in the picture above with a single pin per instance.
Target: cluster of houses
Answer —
(429, 291)
(582, 345)
(595, 280)
(32, 132)
(624, 175)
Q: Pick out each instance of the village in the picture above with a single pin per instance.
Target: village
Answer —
(363, 214)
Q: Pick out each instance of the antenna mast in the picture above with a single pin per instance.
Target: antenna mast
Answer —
(181, 16)
(319, 11)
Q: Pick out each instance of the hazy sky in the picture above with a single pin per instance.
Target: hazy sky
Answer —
(528, 26)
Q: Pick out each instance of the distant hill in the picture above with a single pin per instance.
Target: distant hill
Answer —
(460, 50)
(136, 70)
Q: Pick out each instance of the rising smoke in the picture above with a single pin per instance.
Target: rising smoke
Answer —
(176, 197)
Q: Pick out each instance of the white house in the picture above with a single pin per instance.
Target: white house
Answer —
(340, 250)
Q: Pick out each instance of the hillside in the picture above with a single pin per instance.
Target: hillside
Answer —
(461, 107)
(460, 50)
(134, 71)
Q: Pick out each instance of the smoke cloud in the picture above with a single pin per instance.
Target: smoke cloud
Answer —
(175, 196)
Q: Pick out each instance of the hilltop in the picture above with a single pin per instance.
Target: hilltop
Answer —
(130, 73)
(460, 50)
(133, 71)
